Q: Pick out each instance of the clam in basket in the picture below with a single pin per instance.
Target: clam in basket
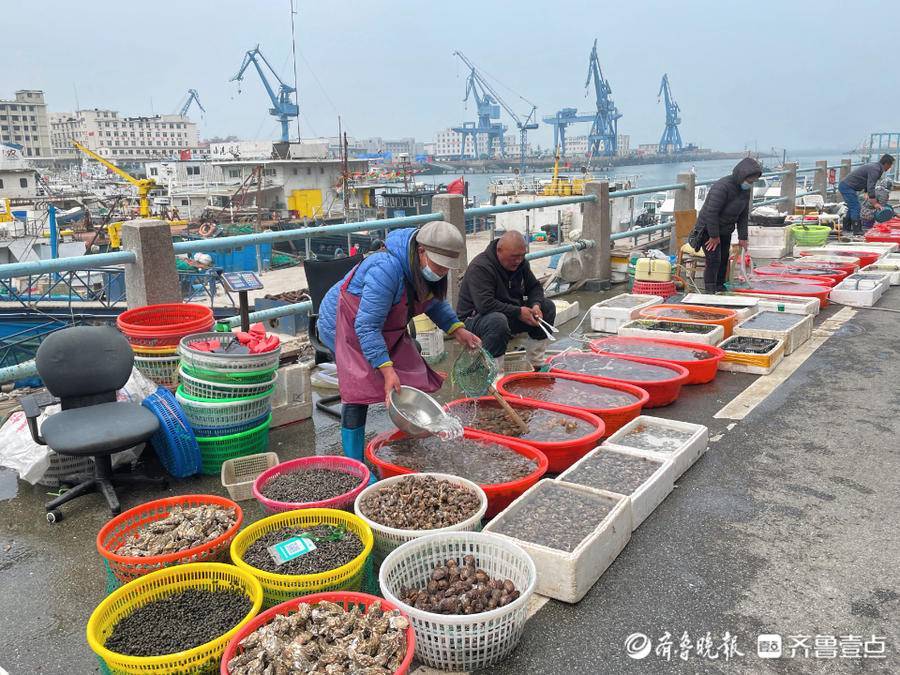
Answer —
(325, 462)
(155, 586)
(126, 525)
(278, 588)
(389, 538)
(465, 641)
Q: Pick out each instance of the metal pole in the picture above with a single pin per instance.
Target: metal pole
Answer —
(259, 178)
(54, 233)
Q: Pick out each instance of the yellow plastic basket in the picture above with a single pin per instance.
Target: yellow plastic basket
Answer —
(278, 588)
(140, 350)
(161, 584)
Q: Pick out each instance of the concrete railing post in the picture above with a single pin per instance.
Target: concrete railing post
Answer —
(597, 225)
(685, 212)
(453, 208)
(846, 167)
(820, 179)
(789, 188)
(153, 277)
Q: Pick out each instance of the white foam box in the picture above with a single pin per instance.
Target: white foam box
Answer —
(292, 399)
(565, 311)
(891, 258)
(779, 236)
(892, 267)
(564, 575)
(606, 317)
(646, 497)
(795, 335)
(767, 252)
(734, 361)
(713, 336)
(880, 247)
(683, 457)
(865, 293)
(786, 303)
(744, 307)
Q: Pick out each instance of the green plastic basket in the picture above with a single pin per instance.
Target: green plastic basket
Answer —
(221, 413)
(230, 377)
(810, 235)
(214, 450)
(193, 386)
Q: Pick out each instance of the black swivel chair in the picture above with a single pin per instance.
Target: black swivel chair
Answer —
(84, 366)
(321, 275)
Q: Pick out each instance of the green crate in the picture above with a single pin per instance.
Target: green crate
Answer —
(230, 377)
(214, 450)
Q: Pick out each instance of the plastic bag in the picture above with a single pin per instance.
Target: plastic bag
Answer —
(325, 376)
(740, 270)
(18, 450)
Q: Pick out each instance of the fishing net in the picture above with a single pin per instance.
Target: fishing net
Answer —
(473, 372)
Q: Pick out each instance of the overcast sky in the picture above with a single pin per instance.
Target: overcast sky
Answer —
(780, 73)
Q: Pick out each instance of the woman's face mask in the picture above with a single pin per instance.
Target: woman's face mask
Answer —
(430, 274)
(746, 186)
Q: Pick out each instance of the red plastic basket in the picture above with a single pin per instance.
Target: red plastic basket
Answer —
(727, 317)
(331, 463)
(883, 235)
(167, 319)
(663, 289)
(613, 418)
(346, 599)
(699, 371)
(560, 454)
(662, 392)
(500, 495)
(124, 526)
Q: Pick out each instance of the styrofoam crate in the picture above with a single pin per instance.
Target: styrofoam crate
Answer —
(881, 247)
(565, 311)
(683, 457)
(786, 303)
(568, 576)
(635, 328)
(866, 294)
(742, 306)
(292, 399)
(769, 236)
(891, 267)
(767, 252)
(607, 319)
(765, 364)
(646, 497)
(794, 336)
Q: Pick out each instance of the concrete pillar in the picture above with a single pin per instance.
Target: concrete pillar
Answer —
(820, 180)
(153, 278)
(685, 212)
(789, 188)
(846, 167)
(453, 208)
(597, 225)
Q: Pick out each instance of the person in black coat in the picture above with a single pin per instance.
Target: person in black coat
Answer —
(500, 297)
(727, 206)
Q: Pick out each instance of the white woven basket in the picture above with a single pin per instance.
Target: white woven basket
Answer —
(461, 641)
(239, 474)
(163, 370)
(225, 362)
(389, 538)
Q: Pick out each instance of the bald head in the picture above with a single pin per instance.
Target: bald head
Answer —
(511, 250)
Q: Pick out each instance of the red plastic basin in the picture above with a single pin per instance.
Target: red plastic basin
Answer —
(613, 418)
(815, 275)
(560, 454)
(499, 495)
(700, 371)
(662, 391)
(864, 257)
(889, 236)
(800, 265)
(797, 287)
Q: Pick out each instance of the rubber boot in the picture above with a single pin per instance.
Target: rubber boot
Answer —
(857, 229)
(354, 444)
(534, 351)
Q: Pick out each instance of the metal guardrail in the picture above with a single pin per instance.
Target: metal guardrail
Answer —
(579, 245)
(628, 234)
(526, 206)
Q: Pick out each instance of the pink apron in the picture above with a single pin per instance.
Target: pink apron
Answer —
(358, 381)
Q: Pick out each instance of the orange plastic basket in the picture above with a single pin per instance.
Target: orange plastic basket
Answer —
(693, 314)
(124, 526)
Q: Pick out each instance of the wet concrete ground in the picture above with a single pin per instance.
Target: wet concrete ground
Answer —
(787, 525)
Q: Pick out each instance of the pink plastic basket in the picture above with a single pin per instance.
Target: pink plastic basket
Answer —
(331, 463)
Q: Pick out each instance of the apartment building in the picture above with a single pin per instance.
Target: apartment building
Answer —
(24, 123)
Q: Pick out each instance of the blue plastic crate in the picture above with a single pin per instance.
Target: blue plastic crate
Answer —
(174, 442)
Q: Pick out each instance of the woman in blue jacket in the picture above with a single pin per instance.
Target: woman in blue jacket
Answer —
(363, 320)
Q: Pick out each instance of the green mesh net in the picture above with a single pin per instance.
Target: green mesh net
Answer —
(473, 372)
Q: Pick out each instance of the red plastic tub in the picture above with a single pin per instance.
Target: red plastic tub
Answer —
(662, 391)
(346, 599)
(772, 286)
(691, 313)
(560, 454)
(850, 266)
(814, 275)
(613, 418)
(865, 257)
(800, 266)
(700, 371)
(328, 462)
(499, 495)
(889, 235)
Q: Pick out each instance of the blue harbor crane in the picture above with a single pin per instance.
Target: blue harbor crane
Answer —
(193, 97)
(283, 108)
(560, 121)
(671, 137)
(603, 137)
(488, 103)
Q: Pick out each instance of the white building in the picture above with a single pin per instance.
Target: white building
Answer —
(448, 144)
(123, 138)
(17, 179)
(24, 122)
(577, 146)
(241, 150)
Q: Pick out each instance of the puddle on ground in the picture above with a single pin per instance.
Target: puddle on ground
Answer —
(9, 483)
(612, 367)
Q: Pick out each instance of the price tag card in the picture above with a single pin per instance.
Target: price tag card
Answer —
(290, 549)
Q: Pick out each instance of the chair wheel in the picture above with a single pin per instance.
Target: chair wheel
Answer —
(54, 516)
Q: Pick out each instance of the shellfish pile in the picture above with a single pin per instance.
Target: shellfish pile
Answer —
(183, 528)
(461, 589)
(420, 503)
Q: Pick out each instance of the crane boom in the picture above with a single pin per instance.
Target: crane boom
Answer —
(143, 185)
(671, 136)
(603, 137)
(283, 108)
(193, 96)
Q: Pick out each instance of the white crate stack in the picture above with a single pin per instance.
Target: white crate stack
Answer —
(609, 315)
(768, 243)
